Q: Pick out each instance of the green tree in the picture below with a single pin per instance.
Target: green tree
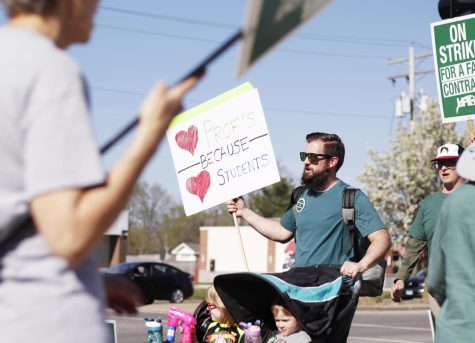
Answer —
(177, 227)
(397, 180)
(157, 224)
(272, 201)
(148, 207)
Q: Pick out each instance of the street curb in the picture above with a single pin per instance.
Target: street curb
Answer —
(164, 306)
(392, 308)
(387, 304)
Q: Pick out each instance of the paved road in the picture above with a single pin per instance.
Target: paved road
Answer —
(391, 326)
(368, 326)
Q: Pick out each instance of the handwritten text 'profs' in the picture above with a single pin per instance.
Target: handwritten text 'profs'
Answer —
(216, 133)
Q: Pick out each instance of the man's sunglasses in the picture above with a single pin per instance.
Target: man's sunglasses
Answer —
(449, 163)
(312, 158)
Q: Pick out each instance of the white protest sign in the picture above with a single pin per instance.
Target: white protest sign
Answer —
(221, 149)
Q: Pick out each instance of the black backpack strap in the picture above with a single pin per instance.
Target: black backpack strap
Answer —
(348, 211)
(296, 193)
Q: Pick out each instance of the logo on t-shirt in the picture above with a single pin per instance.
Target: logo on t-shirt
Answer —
(300, 205)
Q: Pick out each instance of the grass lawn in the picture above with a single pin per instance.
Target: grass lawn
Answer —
(199, 291)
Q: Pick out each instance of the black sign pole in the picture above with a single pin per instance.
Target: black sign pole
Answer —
(199, 70)
(21, 224)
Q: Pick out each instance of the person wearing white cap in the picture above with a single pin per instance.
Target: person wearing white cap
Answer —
(422, 229)
(451, 278)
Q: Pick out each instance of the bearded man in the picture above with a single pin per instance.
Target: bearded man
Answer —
(317, 222)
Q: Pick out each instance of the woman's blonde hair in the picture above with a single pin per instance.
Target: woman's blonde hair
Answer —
(213, 298)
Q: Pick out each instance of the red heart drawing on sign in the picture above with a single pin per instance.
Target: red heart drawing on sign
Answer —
(199, 185)
(187, 140)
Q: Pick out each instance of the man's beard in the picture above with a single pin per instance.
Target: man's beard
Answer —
(317, 181)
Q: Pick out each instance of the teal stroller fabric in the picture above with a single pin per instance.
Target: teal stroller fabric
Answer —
(310, 293)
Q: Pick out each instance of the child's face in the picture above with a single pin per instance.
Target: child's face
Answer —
(286, 325)
(214, 311)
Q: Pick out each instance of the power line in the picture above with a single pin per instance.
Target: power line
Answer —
(333, 114)
(302, 35)
(274, 109)
(170, 18)
(155, 33)
(295, 51)
(354, 40)
(322, 53)
(309, 36)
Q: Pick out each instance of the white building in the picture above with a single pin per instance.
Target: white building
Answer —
(113, 248)
(185, 252)
(221, 251)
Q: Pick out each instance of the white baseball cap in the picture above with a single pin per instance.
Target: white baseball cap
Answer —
(466, 163)
(448, 151)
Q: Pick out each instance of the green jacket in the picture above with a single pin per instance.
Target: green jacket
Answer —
(414, 248)
(421, 233)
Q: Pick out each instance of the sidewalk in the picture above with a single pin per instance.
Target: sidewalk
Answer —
(365, 304)
(162, 306)
(373, 304)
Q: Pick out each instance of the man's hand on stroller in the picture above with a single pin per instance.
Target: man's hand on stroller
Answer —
(352, 269)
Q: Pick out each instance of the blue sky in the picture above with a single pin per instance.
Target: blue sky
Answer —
(330, 75)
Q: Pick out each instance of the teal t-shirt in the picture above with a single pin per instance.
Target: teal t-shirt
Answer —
(321, 235)
(426, 218)
(451, 279)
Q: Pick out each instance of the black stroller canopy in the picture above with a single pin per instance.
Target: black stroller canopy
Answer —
(310, 293)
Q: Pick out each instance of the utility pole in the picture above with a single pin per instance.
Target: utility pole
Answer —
(411, 75)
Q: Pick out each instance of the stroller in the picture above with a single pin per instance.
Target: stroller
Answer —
(312, 294)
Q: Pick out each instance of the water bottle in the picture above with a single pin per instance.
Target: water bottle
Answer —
(252, 334)
(154, 330)
(171, 333)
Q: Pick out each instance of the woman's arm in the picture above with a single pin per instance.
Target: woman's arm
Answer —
(74, 220)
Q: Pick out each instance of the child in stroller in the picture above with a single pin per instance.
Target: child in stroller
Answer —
(220, 327)
(289, 328)
(312, 294)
